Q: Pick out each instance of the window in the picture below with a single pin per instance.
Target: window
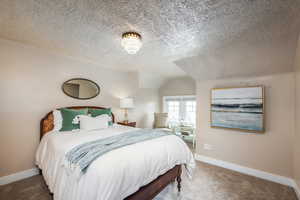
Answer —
(180, 109)
(190, 114)
(173, 110)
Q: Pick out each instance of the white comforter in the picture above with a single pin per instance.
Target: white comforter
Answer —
(116, 174)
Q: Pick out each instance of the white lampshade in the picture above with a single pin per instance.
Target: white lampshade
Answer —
(126, 103)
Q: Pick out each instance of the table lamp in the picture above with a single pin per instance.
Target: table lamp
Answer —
(126, 104)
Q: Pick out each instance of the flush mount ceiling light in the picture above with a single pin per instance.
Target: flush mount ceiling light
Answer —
(131, 42)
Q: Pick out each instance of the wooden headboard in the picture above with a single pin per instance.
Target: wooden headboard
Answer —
(47, 122)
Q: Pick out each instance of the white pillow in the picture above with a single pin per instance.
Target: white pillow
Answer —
(92, 123)
(57, 120)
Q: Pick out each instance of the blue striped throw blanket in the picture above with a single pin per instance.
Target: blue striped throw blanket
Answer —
(83, 155)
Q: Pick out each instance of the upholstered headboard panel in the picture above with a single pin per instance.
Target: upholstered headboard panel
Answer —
(47, 122)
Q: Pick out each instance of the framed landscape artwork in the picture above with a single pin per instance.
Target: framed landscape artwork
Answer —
(238, 108)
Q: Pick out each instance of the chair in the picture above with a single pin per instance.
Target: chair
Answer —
(161, 122)
(187, 133)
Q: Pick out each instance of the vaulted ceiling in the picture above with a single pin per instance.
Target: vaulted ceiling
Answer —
(177, 34)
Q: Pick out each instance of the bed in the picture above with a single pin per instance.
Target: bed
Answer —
(140, 171)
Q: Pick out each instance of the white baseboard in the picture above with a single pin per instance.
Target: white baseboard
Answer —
(18, 176)
(249, 171)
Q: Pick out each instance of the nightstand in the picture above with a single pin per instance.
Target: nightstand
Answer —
(132, 124)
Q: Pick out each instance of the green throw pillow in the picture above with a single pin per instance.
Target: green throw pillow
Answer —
(96, 112)
(68, 116)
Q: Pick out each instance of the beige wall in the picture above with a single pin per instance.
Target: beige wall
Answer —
(30, 86)
(176, 87)
(271, 151)
(297, 130)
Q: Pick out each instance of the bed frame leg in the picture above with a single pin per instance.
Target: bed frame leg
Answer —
(178, 178)
(178, 183)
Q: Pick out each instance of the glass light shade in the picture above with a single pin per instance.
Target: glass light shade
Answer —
(126, 103)
(131, 42)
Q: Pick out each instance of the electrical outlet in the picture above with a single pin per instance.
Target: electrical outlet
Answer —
(207, 147)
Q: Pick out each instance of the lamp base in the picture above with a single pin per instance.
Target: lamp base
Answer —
(125, 121)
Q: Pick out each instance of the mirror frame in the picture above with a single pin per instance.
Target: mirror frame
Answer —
(62, 87)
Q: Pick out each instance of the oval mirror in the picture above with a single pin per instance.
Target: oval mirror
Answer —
(80, 88)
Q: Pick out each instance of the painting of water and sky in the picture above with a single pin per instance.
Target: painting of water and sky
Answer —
(238, 108)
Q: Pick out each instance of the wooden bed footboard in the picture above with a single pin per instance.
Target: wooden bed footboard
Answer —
(149, 191)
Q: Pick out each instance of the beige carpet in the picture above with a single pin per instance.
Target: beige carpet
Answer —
(209, 183)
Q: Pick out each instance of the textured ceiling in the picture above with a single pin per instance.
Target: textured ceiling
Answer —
(176, 33)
